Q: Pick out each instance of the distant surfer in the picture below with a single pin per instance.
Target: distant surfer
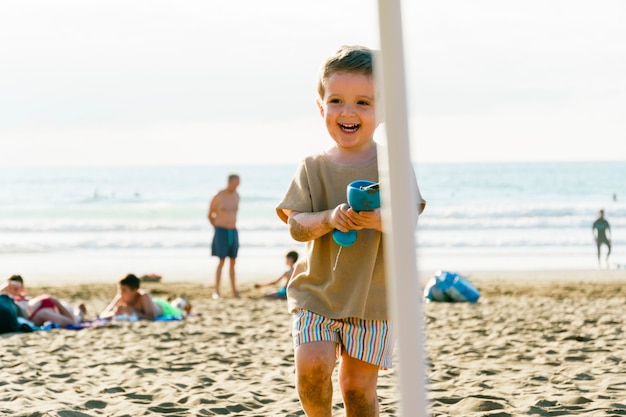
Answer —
(602, 234)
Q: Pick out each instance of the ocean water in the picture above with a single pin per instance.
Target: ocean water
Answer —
(521, 216)
(99, 223)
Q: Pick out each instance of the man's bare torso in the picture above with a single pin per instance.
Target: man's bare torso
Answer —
(224, 209)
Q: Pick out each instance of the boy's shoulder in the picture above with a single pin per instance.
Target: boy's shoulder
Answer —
(315, 157)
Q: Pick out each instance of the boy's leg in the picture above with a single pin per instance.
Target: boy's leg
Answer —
(358, 381)
(315, 362)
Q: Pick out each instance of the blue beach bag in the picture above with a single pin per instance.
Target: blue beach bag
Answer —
(450, 287)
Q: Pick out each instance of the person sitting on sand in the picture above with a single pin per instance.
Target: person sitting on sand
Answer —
(14, 287)
(41, 309)
(291, 259)
(132, 302)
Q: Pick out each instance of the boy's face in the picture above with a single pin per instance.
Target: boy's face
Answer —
(127, 294)
(349, 110)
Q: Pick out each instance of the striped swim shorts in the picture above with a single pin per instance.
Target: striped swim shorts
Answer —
(370, 341)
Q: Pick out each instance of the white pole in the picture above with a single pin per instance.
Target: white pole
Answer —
(399, 204)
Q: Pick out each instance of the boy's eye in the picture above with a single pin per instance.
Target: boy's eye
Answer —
(334, 100)
(363, 103)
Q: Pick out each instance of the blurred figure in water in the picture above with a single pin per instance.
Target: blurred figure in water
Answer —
(602, 235)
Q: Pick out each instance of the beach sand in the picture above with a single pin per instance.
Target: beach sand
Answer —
(537, 343)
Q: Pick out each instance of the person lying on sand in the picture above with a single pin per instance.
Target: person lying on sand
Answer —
(46, 308)
(131, 303)
(41, 309)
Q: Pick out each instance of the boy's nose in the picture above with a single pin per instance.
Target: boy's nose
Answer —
(347, 110)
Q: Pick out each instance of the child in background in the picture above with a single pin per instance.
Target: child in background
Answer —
(290, 259)
(133, 303)
(340, 311)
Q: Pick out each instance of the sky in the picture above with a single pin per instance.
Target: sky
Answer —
(202, 82)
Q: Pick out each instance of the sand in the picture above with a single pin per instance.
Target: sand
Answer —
(537, 343)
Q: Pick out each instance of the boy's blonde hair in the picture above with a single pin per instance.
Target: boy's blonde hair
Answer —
(353, 59)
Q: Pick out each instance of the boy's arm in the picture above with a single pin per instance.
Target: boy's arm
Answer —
(304, 227)
(111, 309)
(286, 275)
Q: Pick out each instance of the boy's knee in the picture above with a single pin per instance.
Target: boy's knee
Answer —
(359, 396)
(354, 385)
(313, 374)
(314, 383)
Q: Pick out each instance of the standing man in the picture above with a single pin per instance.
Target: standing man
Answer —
(223, 217)
(599, 229)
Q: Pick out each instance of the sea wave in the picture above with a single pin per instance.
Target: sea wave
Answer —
(518, 207)
(428, 222)
(521, 240)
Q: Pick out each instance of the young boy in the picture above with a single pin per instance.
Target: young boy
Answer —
(132, 301)
(290, 259)
(342, 310)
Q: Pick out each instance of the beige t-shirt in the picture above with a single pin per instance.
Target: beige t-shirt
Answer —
(356, 288)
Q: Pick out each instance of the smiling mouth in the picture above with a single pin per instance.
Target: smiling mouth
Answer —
(349, 127)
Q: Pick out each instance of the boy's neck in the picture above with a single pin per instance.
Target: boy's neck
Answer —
(352, 156)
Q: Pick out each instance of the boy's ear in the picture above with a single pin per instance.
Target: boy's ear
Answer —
(320, 106)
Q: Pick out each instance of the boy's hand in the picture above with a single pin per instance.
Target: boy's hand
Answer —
(123, 310)
(370, 219)
(345, 218)
(339, 218)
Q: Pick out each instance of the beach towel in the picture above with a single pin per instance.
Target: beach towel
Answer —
(78, 326)
(170, 313)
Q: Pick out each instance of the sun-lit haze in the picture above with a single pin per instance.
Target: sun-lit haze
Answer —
(162, 82)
